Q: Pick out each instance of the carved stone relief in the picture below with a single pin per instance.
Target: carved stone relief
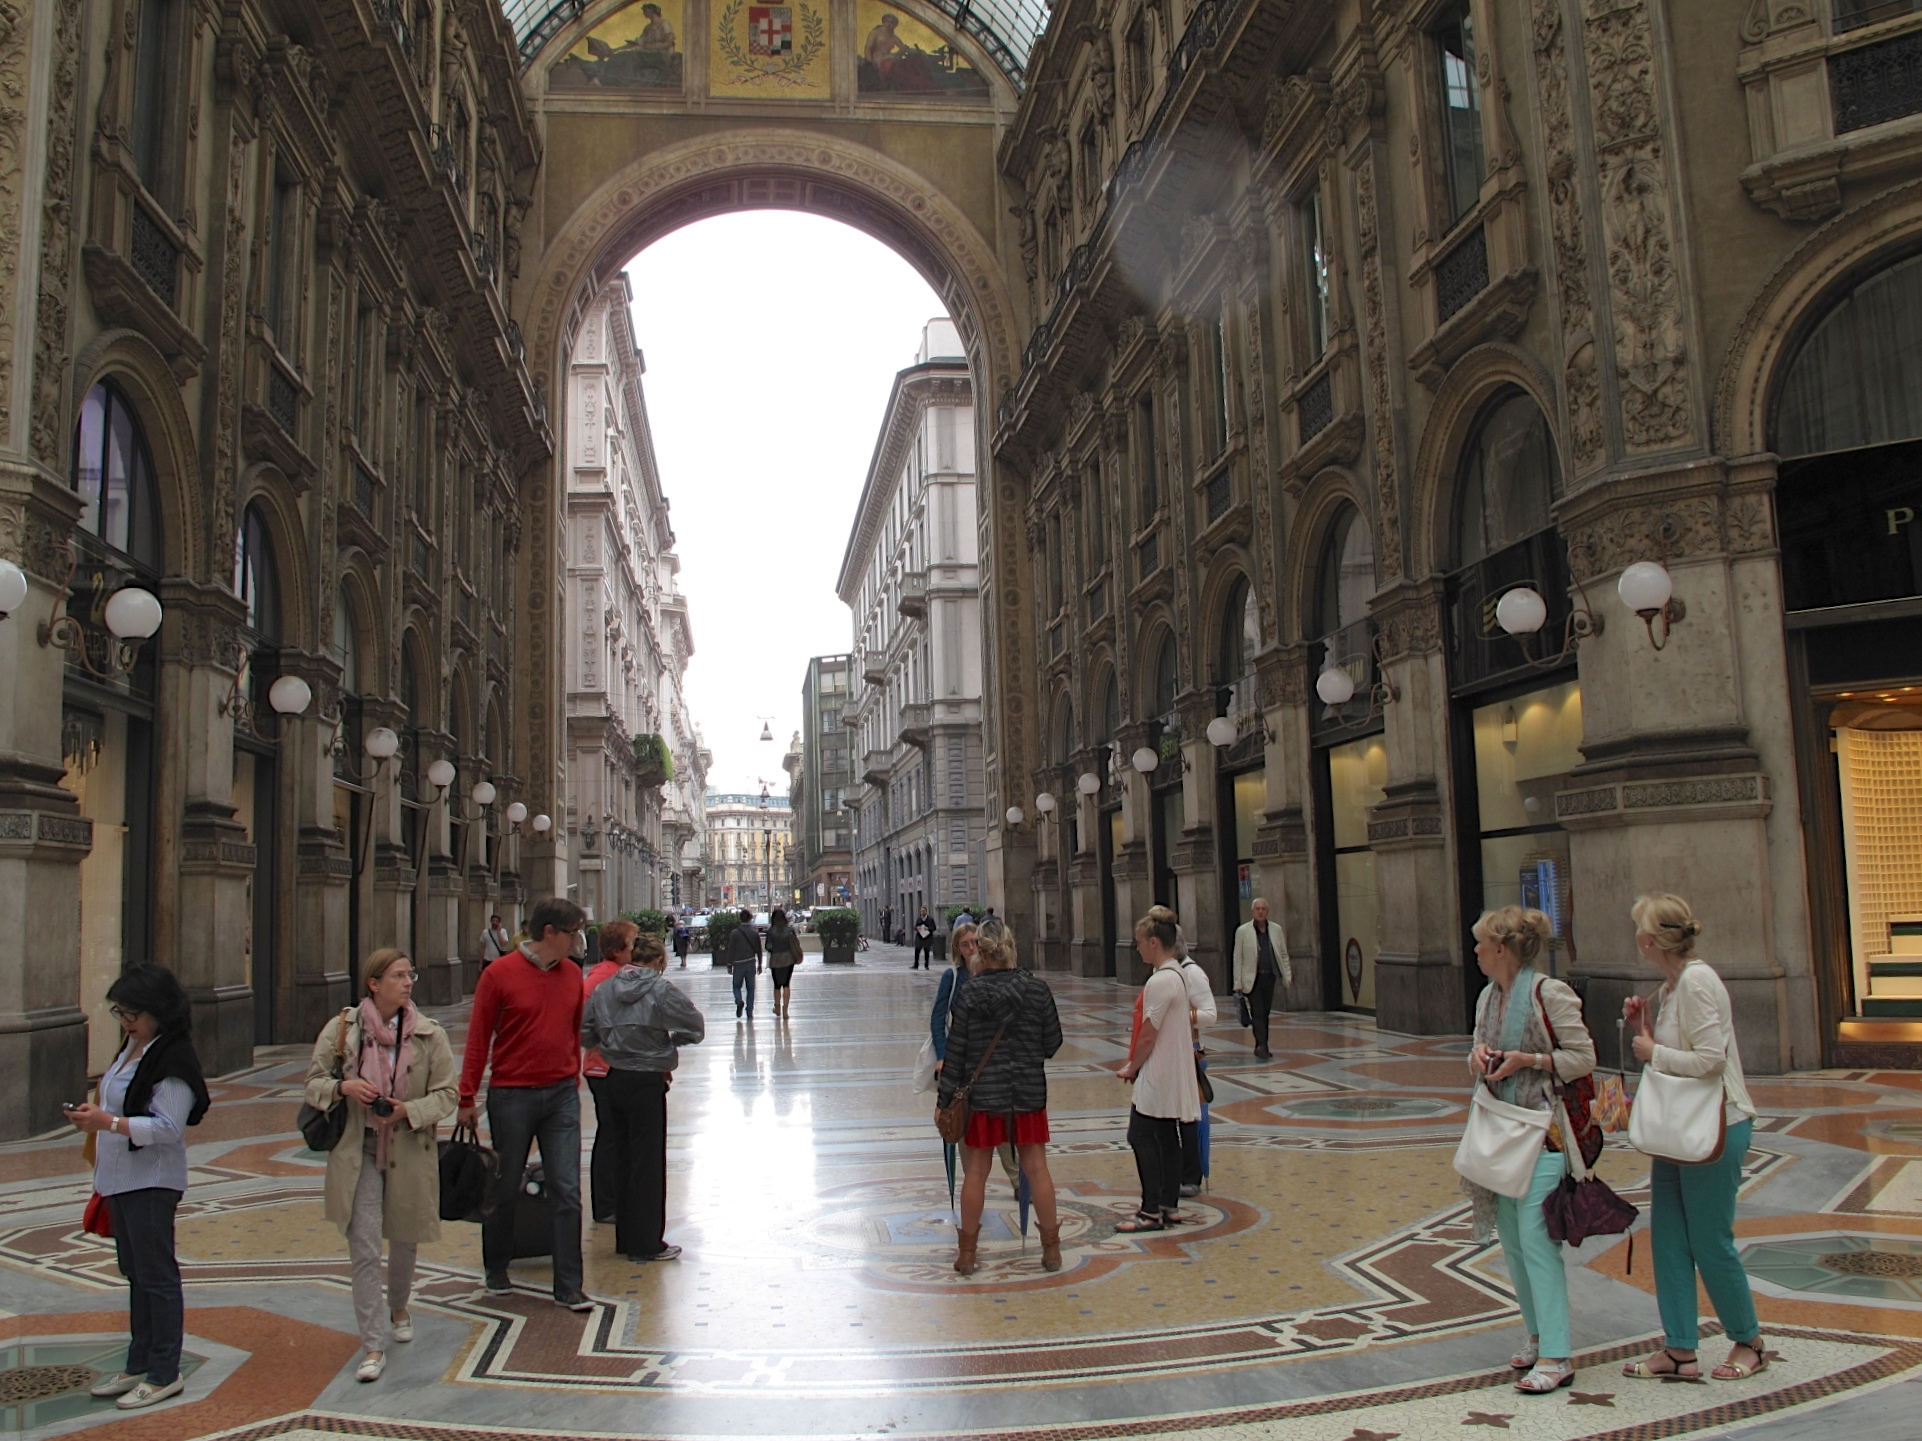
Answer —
(1380, 390)
(50, 349)
(13, 126)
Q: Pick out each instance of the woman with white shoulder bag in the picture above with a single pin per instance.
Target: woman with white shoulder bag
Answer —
(1529, 1035)
(1693, 1117)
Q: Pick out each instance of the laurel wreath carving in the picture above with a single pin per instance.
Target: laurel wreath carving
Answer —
(789, 70)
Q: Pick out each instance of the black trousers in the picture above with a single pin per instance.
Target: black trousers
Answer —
(637, 1103)
(143, 1243)
(604, 1165)
(1261, 1000)
(1157, 1146)
(1190, 1152)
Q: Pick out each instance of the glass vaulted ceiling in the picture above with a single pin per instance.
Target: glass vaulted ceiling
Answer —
(1007, 29)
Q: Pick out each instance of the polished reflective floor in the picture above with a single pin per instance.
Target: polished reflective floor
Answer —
(1330, 1289)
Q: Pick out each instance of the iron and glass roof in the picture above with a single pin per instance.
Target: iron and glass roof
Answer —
(1006, 29)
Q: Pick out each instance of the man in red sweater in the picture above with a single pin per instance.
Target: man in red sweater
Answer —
(527, 1012)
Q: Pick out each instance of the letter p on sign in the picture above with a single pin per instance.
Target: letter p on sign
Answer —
(1899, 516)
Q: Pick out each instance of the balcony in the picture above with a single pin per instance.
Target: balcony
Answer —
(914, 723)
(874, 668)
(913, 600)
(874, 768)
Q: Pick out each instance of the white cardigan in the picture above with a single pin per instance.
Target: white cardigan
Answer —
(1248, 952)
(1695, 1036)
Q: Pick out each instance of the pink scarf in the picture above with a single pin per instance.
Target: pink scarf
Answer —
(385, 1059)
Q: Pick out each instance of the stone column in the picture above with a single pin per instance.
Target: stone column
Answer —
(438, 884)
(389, 907)
(43, 836)
(1084, 867)
(1283, 875)
(323, 977)
(1418, 972)
(1195, 856)
(1134, 863)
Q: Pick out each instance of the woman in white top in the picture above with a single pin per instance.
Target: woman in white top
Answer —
(1161, 1063)
(1694, 1206)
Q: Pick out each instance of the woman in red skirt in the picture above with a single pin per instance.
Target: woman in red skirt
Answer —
(1009, 1102)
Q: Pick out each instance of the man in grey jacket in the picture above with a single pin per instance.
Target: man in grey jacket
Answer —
(638, 1020)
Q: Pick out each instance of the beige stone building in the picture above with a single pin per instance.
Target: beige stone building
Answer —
(750, 850)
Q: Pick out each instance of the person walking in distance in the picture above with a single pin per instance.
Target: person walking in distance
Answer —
(783, 955)
(744, 963)
(1161, 1064)
(683, 941)
(638, 1021)
(617, 950)
(527, 1021)
(923, 939)
(494, 942)
(1261, 963)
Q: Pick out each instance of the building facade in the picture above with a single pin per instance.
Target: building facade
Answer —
(750, 847)
(635, 763)
(911, 578)
(821, 781)
(257, 361)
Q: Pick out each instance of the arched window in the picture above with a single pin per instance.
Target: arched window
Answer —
(113, 475)
(1509, 480)
(1162, 700)
(1063, 730)
(256, 580)
(347, 642)
(1856, 379)
(1347, 576)
(1240, 635)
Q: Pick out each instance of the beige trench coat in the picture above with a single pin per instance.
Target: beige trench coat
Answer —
(412, 1210)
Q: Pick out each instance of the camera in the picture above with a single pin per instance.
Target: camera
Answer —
(381, 1106)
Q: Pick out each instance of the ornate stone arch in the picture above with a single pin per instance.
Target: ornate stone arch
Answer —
(414, 646)
(1227, 566)
(1061, 717)
(268, 488)
(1102, 670)
(1156, 622)
(362, 585)
(1475, 379)
(1843, 250)
(1322, 502)
(133, 363)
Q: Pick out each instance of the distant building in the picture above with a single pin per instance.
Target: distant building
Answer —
(911, 577)
(749, 838)
(820, 776)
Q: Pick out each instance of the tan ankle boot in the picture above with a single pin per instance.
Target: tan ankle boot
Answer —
(1051, 1247)
(964, 1261)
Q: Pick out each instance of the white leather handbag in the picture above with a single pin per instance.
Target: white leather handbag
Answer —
(1678, 1118)
(1501, 1144)
(924, 1064)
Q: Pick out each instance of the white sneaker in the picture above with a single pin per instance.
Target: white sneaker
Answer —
(118, 1385)
(371, 1366)
(148, 1394)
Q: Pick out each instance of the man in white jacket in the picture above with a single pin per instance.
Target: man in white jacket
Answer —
(1261, 963)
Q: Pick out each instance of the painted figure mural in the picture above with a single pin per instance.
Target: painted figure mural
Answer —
(637, 48)
(902, 57)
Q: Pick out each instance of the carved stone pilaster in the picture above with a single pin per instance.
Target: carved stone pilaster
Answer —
(51, 340)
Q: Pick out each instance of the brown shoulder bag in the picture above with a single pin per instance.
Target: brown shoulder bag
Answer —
(951, 1120)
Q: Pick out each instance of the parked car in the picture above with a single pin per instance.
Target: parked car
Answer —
(697, 923)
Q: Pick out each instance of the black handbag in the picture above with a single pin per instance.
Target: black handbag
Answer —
(322, 1130)
(1244, 1013)
(468, 1173)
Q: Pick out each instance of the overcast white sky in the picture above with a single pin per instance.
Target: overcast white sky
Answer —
(771, 340)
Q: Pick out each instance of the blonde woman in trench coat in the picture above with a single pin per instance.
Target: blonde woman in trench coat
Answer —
(383, 1179)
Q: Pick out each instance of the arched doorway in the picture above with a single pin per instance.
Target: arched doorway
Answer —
(1846, 420)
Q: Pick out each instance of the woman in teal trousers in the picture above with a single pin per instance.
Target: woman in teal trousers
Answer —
(1528, 1035)
(1693, 1221)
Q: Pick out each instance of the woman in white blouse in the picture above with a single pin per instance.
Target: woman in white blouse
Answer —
(1694, 1206)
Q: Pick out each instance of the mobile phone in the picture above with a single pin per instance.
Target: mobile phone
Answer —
(70, 1105)
(1494, 1061)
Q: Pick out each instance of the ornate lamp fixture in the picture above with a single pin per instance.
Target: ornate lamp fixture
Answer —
(131, 614)
(1088, 783)
(1647, 589)
(1522, 611)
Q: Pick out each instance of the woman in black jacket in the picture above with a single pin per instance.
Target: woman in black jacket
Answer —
(1009, 1102)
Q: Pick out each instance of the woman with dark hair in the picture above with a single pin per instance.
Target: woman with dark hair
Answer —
(783, 955)
(383, 1179)
(149, 1096)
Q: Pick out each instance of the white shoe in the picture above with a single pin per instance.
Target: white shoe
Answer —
(371, 1366)
(403, 1330)
(148, 1394)
(118, 1385)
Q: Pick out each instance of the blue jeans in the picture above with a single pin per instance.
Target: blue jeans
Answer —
(1534, 1261)
(1693, 1222)
(744, 976)
(517, 1116)
(143, 1243)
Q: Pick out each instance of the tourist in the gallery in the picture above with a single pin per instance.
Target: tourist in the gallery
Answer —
(743, 957)
(617, 950)
(526, 1021)
(1161, 1063)
(149, 1096)
(923, 939)
(1529, 1035)
(1201, 1014)
(638, 1021)
(396, 1069)
(1261, 963)
(1693, 1207)
(966, 955)
(495, 942)
(783, 955)
(1001, 1031)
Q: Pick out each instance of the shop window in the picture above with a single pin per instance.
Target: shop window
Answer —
(1461, 116)
(1357, 778)
(113, 475)
(1879, 764)
(1344, 584)
(1525, 748)
(1510, 480)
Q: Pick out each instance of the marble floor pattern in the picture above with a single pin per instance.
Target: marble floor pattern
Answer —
(1331, 1292)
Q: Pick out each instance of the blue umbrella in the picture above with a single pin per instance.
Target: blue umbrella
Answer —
(947, 1155)
(1206, 1126)
(1024, 1200)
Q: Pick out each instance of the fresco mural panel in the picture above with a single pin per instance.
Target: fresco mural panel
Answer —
(902, 59)
(636, 48)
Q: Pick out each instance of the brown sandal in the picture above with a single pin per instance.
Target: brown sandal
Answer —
(1645, 1370)
(1732, 1370)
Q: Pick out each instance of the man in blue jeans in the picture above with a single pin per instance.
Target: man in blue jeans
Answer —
(527, 1014)
(744, 962)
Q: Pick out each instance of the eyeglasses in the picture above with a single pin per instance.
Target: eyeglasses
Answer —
(123, 1015)
(400, 976)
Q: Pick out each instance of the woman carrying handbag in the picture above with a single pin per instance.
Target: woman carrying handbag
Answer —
(1528, 1035)
(1690, 1054)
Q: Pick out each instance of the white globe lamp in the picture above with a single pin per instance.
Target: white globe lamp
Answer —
(543, 823)
(290, 695)
(516, 813)
(1222, 731)
(381, 743)
(1014, 816)
(1088, 783)
(133, 613)
(1521, 611)
(13, 588)
(1145, 760)
(1045, 803)
(1335, 686)
(1645, 587)
(441, 773)
(483, 793)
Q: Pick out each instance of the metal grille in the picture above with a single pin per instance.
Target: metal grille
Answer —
(1315, 407)
(1876, 83)
(1098, 601)
(1462, 274)
(283, 398)
(1057, 638)
(1149, 555)
(1219, 494)
(366, 491)
(420, 554)
(156, 259)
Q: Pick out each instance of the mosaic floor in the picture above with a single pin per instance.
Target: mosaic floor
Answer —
(1331, 1293)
